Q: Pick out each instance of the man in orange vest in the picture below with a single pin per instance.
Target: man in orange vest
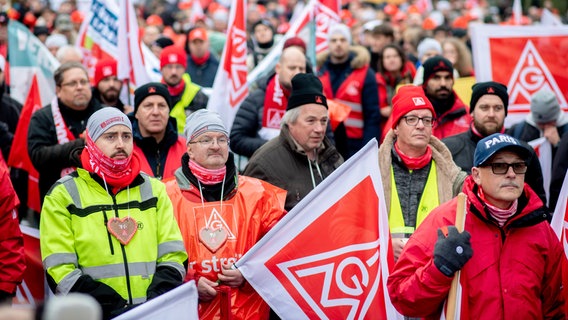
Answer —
(156, 139)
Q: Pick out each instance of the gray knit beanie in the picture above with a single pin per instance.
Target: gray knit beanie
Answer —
(104, 119)
(202, 121)
(545, 107)
(339, 28)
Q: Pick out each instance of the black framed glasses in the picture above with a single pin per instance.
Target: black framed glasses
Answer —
(413, 120)
(502, 167)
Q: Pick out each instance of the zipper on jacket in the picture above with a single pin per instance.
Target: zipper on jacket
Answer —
(108, 234)
(158, 166)
(126, 271)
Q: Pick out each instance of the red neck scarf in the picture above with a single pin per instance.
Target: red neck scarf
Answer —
(275, 103)
(177, 89)
(202, 60)
(414, 163)
(501, 215)
(207, 176)
(117, 173)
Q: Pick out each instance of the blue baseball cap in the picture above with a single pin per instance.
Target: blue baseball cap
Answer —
(490, 145)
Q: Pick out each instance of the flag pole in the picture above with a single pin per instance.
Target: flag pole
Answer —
(453, 294)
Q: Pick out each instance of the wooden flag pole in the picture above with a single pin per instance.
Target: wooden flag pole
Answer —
(453, 294)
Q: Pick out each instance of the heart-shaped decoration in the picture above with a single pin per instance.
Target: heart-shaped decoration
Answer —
(213, 239)
(122, 229)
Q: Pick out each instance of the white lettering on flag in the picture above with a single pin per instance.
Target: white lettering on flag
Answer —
(327, 258)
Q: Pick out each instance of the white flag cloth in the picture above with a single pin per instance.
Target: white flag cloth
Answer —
(543, 149)
(179, 303)
(558, 219)
(327, 258)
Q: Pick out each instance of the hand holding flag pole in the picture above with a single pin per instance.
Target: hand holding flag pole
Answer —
(454, 296)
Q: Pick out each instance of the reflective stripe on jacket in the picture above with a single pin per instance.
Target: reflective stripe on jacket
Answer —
(75, 240)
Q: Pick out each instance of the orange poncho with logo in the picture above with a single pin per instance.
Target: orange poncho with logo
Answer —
(244, 216)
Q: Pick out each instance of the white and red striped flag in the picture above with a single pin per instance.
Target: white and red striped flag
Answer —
(330, 256)
(130, 62)
(230, 85)
(326, 14)
(560, 226)
(543, 150)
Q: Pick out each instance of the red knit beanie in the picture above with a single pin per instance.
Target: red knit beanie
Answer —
(409, 98)
(173, 54)
(104, 68)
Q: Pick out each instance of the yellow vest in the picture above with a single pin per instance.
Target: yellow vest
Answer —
(178, 111)
(428, 202)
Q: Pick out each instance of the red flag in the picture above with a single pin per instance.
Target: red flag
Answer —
(19, 157)
(326, 13)
(328, 258)
(230, 86)
(32, 289)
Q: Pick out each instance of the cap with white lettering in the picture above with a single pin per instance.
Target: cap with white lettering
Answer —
(490, 145)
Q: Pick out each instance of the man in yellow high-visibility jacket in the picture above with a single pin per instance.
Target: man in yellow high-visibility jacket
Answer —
(417, 169)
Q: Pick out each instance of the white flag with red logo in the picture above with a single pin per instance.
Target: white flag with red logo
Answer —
(327, 258)
(230, 85)
(326, 14)
(543, 150)
(130, 62)
(526, 59)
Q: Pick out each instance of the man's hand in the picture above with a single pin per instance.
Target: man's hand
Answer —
(231, 277)
(551, 134)
(452, 252)
(206, 289)
(397, 246)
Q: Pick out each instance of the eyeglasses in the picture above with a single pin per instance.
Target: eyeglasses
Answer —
(206, 142)
(75, 84)
(413, 120)
(503, 168)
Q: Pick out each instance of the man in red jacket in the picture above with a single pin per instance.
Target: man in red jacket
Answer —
(509, 256)
(12, 259)
(452, 115)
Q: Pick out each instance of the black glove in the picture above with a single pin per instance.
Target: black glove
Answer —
(452, 252)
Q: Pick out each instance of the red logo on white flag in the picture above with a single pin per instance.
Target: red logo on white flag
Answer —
(326, 13)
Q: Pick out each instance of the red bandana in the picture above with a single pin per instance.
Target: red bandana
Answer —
(177, 89)
(207, 176)
(414, 163)
(275, 102)
(117, 173)
(202, 60)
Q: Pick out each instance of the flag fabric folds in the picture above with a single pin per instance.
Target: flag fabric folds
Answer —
(230, 85)
(327, 258)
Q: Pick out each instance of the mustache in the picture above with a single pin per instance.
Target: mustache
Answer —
(443, 89)
(119, 153)
(510, 184)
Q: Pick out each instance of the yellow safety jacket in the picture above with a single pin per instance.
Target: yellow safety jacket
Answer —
(75, 241)
(178, 110)
(428, 201)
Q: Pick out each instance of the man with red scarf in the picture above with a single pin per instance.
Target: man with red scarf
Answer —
(417, 170)
(221, 216)
(488, 109)
(259, 117)
(510, 259)
(187, 96)
(55, 131)
(201, 64)
(108, 230)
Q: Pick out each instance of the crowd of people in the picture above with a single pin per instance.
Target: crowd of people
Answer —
(138, 198)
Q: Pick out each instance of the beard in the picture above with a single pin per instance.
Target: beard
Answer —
(485, 130)
(110, 95)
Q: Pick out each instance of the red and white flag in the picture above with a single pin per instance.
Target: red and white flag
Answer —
(327, 258)
(326, 14)
(19, 157)
(32, 291)
(130, 62)
(559, 224)
(230, 85)
(543, 150)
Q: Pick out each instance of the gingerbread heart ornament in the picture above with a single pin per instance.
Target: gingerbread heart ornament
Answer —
(213, 239)
(122, 229)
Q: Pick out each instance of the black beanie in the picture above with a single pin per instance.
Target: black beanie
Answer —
(152, 88)
(436, 64)
(489, 87)
(306, 88)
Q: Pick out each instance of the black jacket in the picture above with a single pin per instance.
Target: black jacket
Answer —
(47, 155)
(10, 110)
(203, 75)
(462, 146)
(559, 167)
